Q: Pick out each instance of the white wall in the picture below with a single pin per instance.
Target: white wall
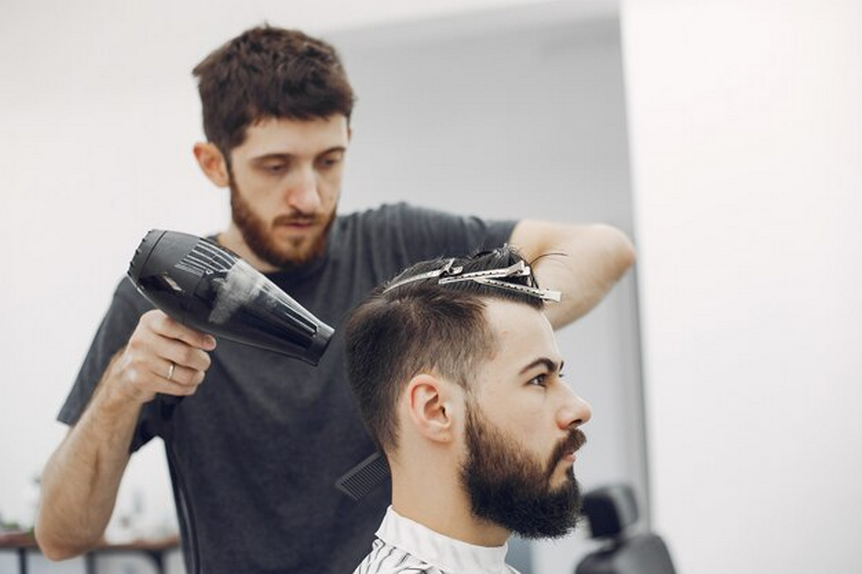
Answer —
(746, 135)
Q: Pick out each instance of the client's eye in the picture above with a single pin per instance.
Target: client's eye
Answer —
(538, 380)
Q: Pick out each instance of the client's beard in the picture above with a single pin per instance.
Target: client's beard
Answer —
(509, 487)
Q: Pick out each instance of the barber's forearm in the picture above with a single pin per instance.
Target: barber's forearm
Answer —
(81, 480)
(582, 261)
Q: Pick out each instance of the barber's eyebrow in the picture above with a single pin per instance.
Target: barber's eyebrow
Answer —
(549, 364)
(278, 155)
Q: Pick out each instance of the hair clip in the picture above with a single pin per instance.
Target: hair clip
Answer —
(543, 294)
(445, 270)
(519, 269)
(450, 274)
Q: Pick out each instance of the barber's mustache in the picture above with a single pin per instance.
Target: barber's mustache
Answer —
(297, 218)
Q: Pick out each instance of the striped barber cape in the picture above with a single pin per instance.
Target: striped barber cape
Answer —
(406, 547)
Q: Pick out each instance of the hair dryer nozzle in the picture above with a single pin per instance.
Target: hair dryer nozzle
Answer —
(209, 288)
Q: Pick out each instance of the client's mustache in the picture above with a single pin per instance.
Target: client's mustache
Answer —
(572, 443)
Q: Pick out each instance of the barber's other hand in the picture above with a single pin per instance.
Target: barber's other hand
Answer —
(143, 367)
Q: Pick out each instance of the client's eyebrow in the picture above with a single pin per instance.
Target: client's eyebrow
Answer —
(549, 364)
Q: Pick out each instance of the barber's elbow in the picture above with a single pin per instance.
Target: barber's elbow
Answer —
(617, 245)
(56, 547)
(57, 553)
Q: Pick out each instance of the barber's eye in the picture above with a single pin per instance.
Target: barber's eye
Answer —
(274, 168)
(328, 162)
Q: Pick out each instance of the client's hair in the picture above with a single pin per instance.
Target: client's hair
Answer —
(407, 327)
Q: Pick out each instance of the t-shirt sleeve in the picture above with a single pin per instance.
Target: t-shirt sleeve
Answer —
(415, 234)
(117, 326)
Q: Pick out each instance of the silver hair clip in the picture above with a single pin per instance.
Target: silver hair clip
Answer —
(519, 269)
(543, 294)
(450, 274)
(492, 277)
(445, 270)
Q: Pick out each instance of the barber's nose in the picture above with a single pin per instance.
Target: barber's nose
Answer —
(303, 194)
(575, 412)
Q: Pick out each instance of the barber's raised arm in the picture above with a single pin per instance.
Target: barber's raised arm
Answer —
(596, 256)
(81, 479)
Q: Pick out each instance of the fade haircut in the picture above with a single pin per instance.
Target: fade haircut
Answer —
(402, 330)
(269, 72)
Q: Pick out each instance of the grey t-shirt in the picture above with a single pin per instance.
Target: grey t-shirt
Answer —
(255, 453)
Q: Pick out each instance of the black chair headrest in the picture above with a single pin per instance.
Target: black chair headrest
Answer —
(610, 510)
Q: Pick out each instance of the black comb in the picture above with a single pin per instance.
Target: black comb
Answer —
(360, 480)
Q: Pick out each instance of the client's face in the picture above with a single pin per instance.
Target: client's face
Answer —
(509, 486)
(521, 430)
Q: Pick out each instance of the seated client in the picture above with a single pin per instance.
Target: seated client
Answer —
(459, 379)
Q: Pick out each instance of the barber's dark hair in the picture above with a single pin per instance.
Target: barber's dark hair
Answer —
(422, 326)
(269, 72)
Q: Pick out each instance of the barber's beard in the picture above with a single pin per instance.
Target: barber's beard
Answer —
(512, 488)
(258, 235)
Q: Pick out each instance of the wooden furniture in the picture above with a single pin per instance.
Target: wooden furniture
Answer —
(23, 542)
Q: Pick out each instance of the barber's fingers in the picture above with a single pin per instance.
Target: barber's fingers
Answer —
(157, 343)
(158, 338)
(179, 374)
(183, 355)
(183, 386)
(165, 377)
(163, 325)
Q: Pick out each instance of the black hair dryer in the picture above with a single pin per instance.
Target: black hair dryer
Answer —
(209, 288)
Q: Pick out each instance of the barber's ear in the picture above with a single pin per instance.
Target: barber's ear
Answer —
(212, 163)
(432, 405)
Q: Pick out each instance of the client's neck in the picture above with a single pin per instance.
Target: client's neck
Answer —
(429, 492)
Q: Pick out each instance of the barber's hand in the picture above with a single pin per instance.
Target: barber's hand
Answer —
(144, 366)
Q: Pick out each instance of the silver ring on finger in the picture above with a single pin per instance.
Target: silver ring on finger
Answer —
(171, 371)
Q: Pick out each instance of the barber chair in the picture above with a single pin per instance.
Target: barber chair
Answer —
(611, 511)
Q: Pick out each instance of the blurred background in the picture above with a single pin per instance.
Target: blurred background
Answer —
(724, 137)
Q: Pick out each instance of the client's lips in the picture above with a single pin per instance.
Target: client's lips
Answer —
(566, 450)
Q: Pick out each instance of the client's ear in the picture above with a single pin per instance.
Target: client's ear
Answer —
(432, 407)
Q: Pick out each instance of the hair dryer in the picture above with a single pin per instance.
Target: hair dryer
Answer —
(209, 288)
